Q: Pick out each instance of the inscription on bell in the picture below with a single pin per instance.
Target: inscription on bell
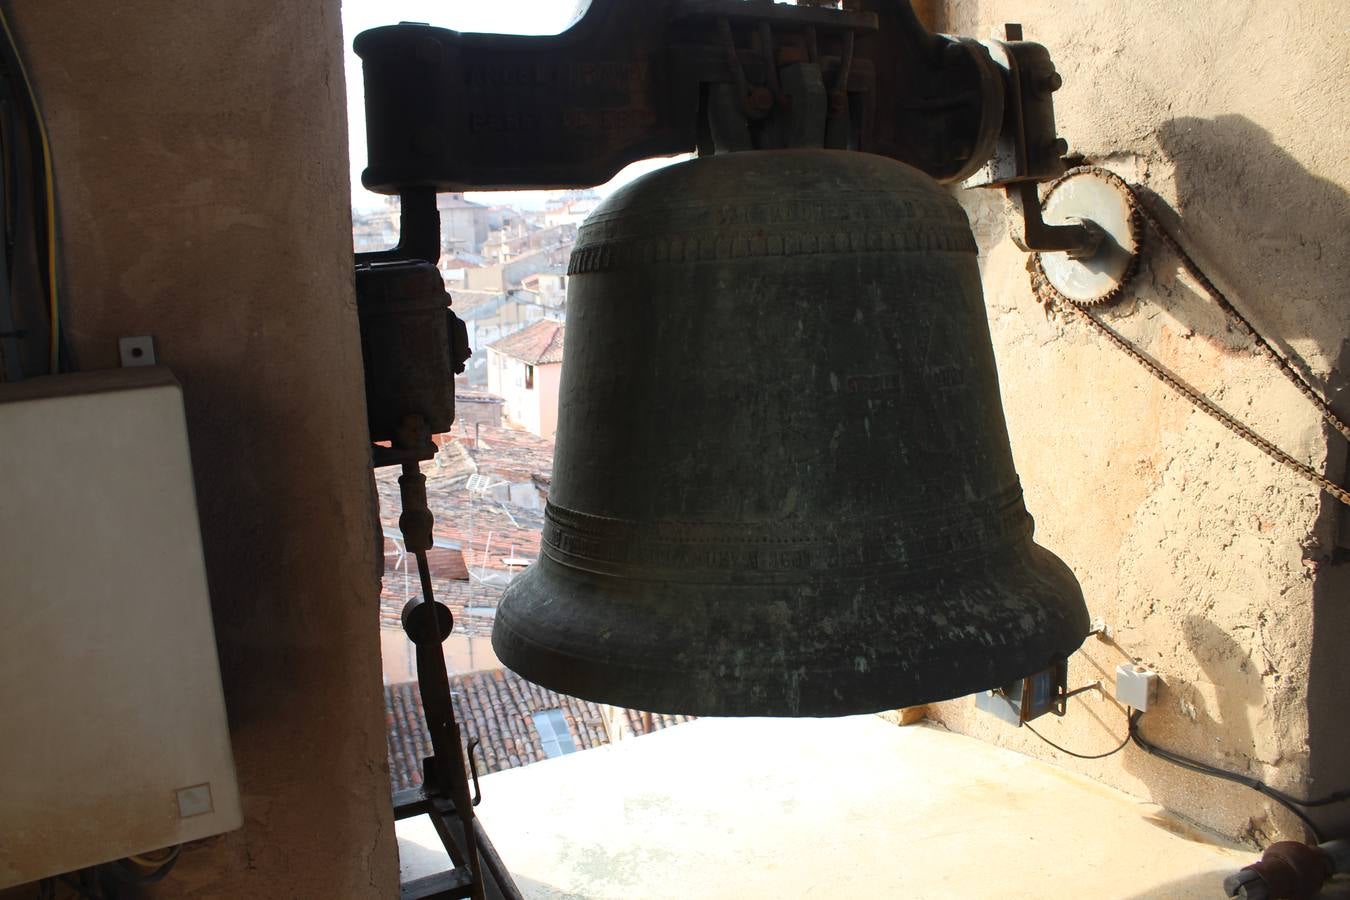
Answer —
(505, 121)
(864, 384)
(591, 74)
(608, 120)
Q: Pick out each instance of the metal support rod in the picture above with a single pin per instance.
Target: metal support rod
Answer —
(493, 862)
(1091, 686)
(1031, 233)
(428, 623)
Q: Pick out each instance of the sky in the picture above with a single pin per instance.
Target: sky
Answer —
(500, 16)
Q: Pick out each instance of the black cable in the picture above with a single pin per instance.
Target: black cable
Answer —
(133, 873)
(29, 239)
(1123, 744)
(79, 887)
(1337, 797)
(1290, 803)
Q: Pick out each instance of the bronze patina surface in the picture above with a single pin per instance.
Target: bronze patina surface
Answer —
(782, 482)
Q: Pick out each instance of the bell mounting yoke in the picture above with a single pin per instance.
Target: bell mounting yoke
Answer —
(452, 111)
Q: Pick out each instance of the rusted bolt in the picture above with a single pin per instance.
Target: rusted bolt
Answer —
(1059, 147)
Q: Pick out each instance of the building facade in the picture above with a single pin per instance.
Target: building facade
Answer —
(525, 369)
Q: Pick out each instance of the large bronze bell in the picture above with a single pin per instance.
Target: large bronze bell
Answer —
(782, 483)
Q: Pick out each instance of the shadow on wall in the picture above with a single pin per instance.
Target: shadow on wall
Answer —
(1272, 235)
(1276, 238)
(1209, 719)
(1239, 689)
(1328, 690)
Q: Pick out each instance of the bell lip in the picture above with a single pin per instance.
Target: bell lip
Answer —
(538, 651)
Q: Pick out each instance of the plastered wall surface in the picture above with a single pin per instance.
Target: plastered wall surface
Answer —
(200, 155)
(1209, 561)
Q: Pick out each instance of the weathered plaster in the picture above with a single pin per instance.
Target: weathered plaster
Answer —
(200, 154)
(1211, 562)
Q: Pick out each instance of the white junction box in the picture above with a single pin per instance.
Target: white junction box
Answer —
(113, 736)
(1136, 686)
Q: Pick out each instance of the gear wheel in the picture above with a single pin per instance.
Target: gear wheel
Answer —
(1102, 196)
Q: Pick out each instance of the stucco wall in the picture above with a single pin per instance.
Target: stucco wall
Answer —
(534, 409)
(1209, 561)
(548, 381)
(200, 154)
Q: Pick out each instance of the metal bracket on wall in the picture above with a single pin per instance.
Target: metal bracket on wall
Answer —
(136, 351)
(1028, 151)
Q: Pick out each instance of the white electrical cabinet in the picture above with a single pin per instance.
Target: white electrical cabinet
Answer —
(113, 736)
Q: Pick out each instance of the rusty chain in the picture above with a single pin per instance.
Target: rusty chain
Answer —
(1048, 295)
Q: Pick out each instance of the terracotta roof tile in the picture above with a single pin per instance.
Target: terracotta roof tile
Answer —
(457, 595)
(481, 532)
(494, 707)
(538, 343)
(484, 528)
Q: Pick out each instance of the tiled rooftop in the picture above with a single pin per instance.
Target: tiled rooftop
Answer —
(474, 394)
(457, 595)
(494, 707)
(468, 520)
(537, 344)
(503, 451)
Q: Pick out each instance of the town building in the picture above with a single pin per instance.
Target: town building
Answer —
(464, 224)
(525, 370)
(373, 230)
(571, 208)
(511, 274)
(549, 289)
(491, 315)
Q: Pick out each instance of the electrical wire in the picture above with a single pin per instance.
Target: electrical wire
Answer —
(1123, 744)
(1290, 803)
(49, 197)
(144, 859)
(1295, 805)
(140, 870)
(80, 888)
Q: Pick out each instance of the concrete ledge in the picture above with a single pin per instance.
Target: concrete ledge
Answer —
(829, 808)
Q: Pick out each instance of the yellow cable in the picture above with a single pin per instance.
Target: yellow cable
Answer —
(144, 859)
(54, 352)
